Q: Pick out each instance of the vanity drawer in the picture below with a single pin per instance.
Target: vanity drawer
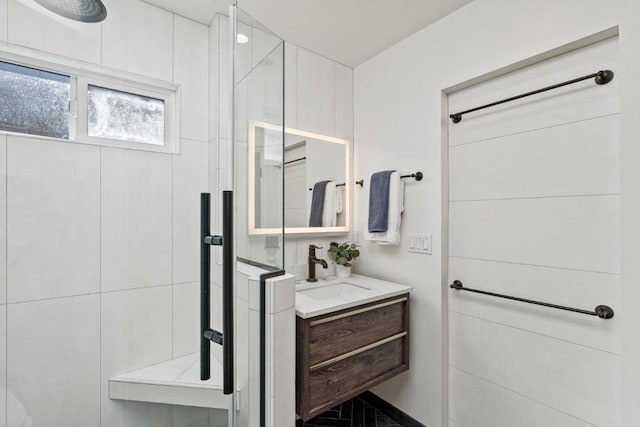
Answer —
(342, 354)
(338, 333)
(339, 380)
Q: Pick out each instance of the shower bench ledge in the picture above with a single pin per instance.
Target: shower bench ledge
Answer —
(174, 382)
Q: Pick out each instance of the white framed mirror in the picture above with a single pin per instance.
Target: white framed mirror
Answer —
(314, 170)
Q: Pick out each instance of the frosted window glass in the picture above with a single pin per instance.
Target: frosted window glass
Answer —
(33, 101)
(125, 116)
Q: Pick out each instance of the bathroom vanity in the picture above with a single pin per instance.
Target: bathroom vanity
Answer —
(352, 334)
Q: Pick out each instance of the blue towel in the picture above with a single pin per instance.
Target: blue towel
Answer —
(379, 201)
(317, 203)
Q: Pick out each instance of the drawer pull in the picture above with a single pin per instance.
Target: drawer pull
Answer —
(354, 312)
(357, 351)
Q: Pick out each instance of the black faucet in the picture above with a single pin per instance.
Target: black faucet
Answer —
(312, 260)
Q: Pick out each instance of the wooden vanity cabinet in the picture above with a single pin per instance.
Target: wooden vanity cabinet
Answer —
(342, 354)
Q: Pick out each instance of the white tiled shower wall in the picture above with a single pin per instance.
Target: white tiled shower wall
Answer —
(98, 246)
(318, 98)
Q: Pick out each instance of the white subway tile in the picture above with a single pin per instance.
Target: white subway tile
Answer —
(214, 62)
(581, 233)
(224, 78)
(219, 418)
(3, 20)
(189, 416)
(283, 357)
(315, 93)
(242, 101)
(32, 25)
(242, 352)
(242, 53)
(138, 38)
(190, 170)
(480, 403)
(573, 159)
(186, 319)
(123, 413)
(343, 101)
(290, 85)
(3, 219)
(136, 219)
(190, 65)
(136, 333)
(53, 360)
(284, 295)
(265, 85)
(565, 376)
(225, 166)
(53, 244)
(263, 43)
(3, 365)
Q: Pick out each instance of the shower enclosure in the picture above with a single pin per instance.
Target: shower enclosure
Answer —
(103, 313)
(254, 68)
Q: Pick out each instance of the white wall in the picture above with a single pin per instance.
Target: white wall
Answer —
(399, 124)
(101, 242)
(630, 152)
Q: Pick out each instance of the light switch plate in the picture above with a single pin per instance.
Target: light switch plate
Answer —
(420, 243)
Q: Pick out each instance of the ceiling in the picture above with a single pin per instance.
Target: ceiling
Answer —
(347, 31)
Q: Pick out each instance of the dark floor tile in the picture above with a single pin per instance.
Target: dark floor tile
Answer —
(357, 418)
(346, 410)
(328, 422)
(353, 413)
(369, 416)
(382, 420)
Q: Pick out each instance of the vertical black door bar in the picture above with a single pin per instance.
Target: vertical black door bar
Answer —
(205, 280)
(228, 271)
(207, 334)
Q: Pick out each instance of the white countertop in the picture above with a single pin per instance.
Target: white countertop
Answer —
(375, 290)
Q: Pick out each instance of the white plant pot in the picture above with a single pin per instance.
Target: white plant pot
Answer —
(343, 272)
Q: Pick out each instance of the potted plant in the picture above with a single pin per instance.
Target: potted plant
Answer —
(343, 254)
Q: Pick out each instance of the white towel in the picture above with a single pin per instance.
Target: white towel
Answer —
(396, 207)
(329, 206)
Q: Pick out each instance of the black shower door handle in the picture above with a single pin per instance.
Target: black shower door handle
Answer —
(207, 335)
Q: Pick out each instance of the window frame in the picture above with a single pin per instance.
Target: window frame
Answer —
(82, 113)
(81, 77)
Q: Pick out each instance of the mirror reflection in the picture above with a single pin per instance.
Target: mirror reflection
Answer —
(314, 171)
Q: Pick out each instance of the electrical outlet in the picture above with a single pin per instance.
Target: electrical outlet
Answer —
(420, 243)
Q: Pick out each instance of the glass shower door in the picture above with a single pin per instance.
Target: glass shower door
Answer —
(257, 73)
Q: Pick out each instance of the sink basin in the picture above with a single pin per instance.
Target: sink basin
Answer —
(335, 290)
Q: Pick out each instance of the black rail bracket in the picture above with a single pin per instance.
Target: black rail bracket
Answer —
(604, 76)
(212, 240)
(214, 336)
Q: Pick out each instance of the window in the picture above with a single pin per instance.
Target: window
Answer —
(33, 101)
(72, 104)
(124, 116)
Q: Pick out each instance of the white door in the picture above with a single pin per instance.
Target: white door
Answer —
(534, 212)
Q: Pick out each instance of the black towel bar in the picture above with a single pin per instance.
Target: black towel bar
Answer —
(602, 311)
(602, 77)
